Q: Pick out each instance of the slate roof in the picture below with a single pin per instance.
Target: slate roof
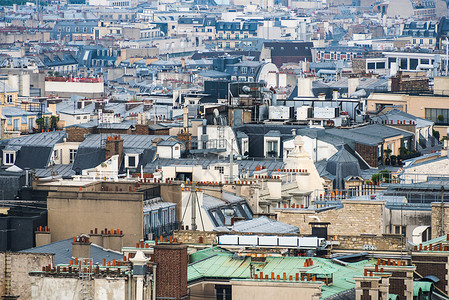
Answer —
(398, 115)
(342, 164)
(34, 157)
(48, 139)
(289, 48)
(249, 164)
(59, 170)
(8, 111)
(119, 126)
(168, 143)
(85, 125)
(261, 225)
(129, 141)
(63, 252)
(87, 158)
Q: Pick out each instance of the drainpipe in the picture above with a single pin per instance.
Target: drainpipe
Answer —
(442, 211)
(153, 296)
(129, 284)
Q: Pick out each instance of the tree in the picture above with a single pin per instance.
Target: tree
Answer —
(436, 134)
(440, 118)
(382, 176)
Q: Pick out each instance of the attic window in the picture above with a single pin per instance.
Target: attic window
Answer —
(131, 161)
(9, 157)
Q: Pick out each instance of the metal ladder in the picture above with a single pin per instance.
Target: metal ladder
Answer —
(85, 276)
(7, 282)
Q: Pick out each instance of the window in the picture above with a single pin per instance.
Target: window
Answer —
(438, 115)
(131, 161)
(371, 66)
(9, 158)
(8, 98)
(220, 169)
(421, 41)
(244, 70)
(272, 149)
(228, 36)
(16, 125)
(380, 65)
(236, 69)
(78, 117)
(72, 154)
(252, 70)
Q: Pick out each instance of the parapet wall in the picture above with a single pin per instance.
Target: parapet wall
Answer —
(386, 242)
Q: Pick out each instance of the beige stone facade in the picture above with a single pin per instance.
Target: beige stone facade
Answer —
(355, 218)
(265, 290)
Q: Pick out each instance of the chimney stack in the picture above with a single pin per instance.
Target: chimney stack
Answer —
(81, 246)
(43, 236)
(171, 272)
(114, 146)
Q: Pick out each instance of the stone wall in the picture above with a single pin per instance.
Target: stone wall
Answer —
(359, 65)
(20, 264)
(354, 218)
(193, 237)
(436, 219)
(385, 242)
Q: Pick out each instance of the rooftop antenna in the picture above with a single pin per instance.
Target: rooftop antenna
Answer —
(195, 201)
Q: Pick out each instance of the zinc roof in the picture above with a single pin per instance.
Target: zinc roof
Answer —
(129, 141)
(222, 265)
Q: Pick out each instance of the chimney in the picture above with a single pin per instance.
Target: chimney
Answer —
(114, 146)
(183, 63)
(171, 272)
(81, 246)
(96, 238)
(43, 236)
(335, 95)
(116, 240)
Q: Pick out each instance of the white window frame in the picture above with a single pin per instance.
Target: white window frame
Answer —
(72, 155)
(136, 157)
(7, 155)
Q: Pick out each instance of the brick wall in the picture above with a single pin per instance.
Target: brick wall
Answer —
(368, 153)
(141, 129)
(77, 134)
(114, 131)
(355, 218)
(171, 272)
(435, 264)
(114, 147)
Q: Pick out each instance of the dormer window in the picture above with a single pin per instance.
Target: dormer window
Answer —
(9, 157)
(131, 161)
